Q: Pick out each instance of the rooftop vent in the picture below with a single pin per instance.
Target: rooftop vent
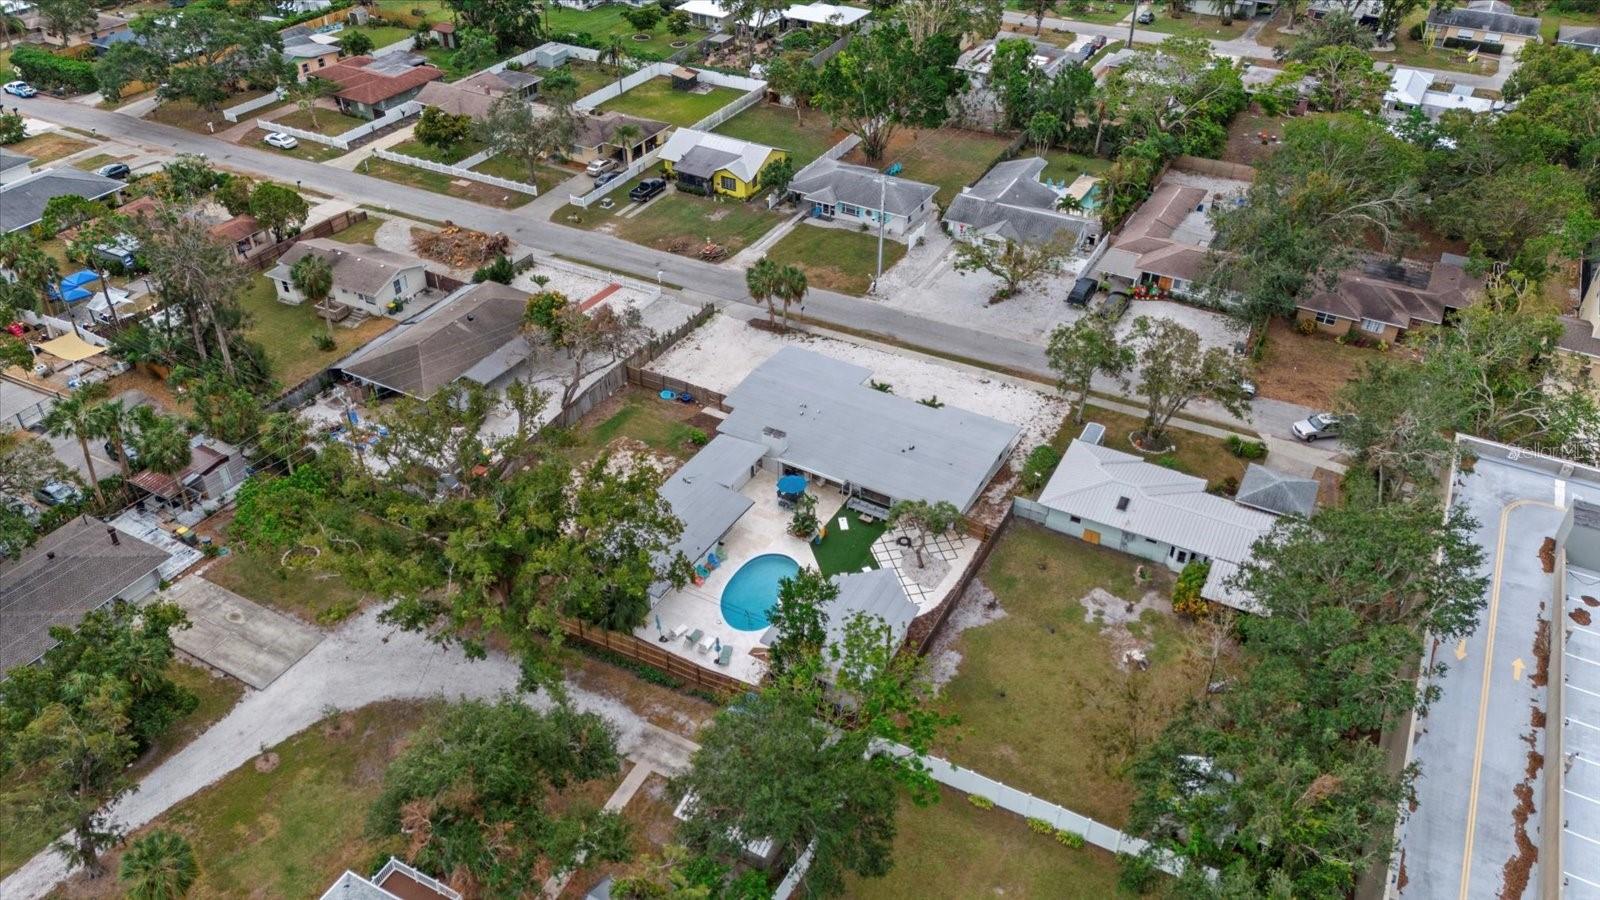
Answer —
(1122, 504)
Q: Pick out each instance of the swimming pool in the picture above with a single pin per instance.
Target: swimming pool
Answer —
(753, 590)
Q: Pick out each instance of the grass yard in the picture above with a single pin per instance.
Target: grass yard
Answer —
(954, 849)
(636, 414)
(364, 232)
(675, 222)
(547, 177)
(1023, 676)
(1551, 20)
(328, 122)
(1200, 455)
(49, 146)
(591, 76)
(1195, 25)
(290, 831)
(806, 137)
(836, 259)
(1056, 37)
(288, 333)
(847, 550)
(1101, 12)
(307, 150)
(1064, 165)
(185, 114)
(27, 832)
(432, 10)
(90, 163)
(655, 99)
(607, 20)
(382, 35)
(447, 155)
(315, 596)
(464, 188)
(947, 157)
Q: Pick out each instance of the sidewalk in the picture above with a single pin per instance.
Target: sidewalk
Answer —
(349, 161)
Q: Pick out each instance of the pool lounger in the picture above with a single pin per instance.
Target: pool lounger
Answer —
(706, 643)
(678, 632)
(695, 636)
(726, 656)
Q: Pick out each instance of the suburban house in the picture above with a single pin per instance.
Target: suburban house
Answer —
(14, 166)
(108, 31)
(598, 137)
(1365, 12)
(851, 195)
(473, 97)
(704, 163)
(1579, 37)
(713, 16)
(805, 15)
(246, 236)
(22, 201)
(1011, 203)
(1410, 89)
(876, 594)
(1163, 244)
(215, 471)
(309, 51)
(370, 87)
(369, 279)
(1489, 25)
(819, 417)
(1384, 299)
(1047, 59)
(1242, 9)
(79, 567)
(475, 334)
(1119, 500)
(395, 881)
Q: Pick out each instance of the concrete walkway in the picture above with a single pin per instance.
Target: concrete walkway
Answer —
(349, 161)
(364, 662)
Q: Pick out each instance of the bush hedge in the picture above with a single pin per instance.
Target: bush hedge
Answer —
(44, 69)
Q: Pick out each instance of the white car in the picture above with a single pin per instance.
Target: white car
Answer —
(599, 167)
(20, 89)
(281, 141)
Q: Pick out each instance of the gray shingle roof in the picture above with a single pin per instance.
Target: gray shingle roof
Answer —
(829, 422)
(1486, 15)
(9, 160)
(1579, 35)
(452, 340)
(830, 181)
(69, 572)
(1010, 202)
(1272, 491)
(364, 270)
(22, 202)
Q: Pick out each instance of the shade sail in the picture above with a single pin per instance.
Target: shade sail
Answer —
(71, 348)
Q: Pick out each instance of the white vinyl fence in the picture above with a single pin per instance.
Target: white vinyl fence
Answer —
(457, 171)
(343, 141)
(236, 112)
(657, 70)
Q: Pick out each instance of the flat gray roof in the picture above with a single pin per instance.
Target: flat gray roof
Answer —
(703, 496)
(819, 414)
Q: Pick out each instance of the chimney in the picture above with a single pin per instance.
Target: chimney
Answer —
(112, 532)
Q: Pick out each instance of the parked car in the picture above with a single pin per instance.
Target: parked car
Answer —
(19, 89)
(1317, 427)
(119, 171)
(114, 452)
(55, 493)
(606, 178)
(1146, 15)
(1110, 306)
(646, 189)
(281, 141)
(1096, 43)
(1082, 290)
(599, 167)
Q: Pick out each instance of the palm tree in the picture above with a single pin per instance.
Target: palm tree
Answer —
(159, 866)
(73, 416)
(613, 53)
(762, 282)
(305, 94)
(313, 277)
(114, 421)
(283, 436)
(33, 267)
(627, 135)
(790, 287)
(163, 445)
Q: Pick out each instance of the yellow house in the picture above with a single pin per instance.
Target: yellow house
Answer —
(704, 163)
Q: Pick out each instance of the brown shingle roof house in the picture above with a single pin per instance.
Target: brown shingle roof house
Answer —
(1164, 243)
(1387, 298)
(475, 334)
(367, 84)
(81, 566)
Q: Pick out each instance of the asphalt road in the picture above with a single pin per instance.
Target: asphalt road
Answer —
(702, 281)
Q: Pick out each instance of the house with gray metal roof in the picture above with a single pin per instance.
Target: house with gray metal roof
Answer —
(22, 201)
(1579, 37)
(79, 567)
(876, 594)
(1119, 500)
(704, 495)
(475, 334)
(819, 416)
(1275, 492)
(1011, 203)
(395, 881)
(834, 192)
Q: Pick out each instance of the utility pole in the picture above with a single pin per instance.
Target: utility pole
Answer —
(883, 215)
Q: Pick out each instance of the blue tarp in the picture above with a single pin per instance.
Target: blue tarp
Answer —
(792, 484)
(75, 288)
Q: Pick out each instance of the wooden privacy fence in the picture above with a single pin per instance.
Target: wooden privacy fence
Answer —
(926, 627)
(654, 382)
(647, 652)
(329, 226)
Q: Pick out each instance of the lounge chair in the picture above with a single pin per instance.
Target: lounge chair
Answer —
(726, 656)
(712, 561)
(706, 643)
(695, 636)
(679, 631)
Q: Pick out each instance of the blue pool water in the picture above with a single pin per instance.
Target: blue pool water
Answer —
(753, 590)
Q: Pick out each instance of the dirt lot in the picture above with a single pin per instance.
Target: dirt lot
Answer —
(1244, 137)
(1308, 370)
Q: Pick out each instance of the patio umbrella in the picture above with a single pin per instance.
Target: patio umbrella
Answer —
(718, 647)
(792, 484)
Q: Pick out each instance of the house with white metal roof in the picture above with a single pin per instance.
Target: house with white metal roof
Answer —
(1118, 500)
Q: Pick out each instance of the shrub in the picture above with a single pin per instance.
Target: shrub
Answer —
(980, 801)
(45, 69)
(1246, 449)
(1306, 327)
(501, 270)
(1040, 826)
(324, 343)
(1138, 873)
(1415, 32)
(1186, 599)
(697, 437)
(12, 128)
(1041, 462)
(1069, 838)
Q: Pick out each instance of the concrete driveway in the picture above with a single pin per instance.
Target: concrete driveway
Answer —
(22, 405)
(240, 637)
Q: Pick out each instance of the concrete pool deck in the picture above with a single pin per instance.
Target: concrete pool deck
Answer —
(764, 529)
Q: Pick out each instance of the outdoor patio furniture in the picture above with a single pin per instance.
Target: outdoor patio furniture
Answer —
(678, 632)
(706, 643)
(695, 636)
(726, 656)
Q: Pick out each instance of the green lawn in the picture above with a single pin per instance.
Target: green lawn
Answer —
(1064, 165)
(836, 259)
(288, 333)
(676, 222)
(949, 158)
(432, 10)
(1023, 676)
(309, 594)
(328, 122)
(464, 188)
(446, 155)
(90, 163)
(1408, 52)
(382, 35)
(1195, 25)
(847, 550)
(805, 136)
(954, 849)
(308, 150)
(185, 114)
(1100, 12)
(364, 232)
(591, 76)
(1551, 20)
(639, 415)
(655, 99)
(1055, 37)
(547, 177)
(607, 20)
(26, 832)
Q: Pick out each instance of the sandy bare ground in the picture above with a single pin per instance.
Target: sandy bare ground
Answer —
(1113, 614)
(978, 606)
